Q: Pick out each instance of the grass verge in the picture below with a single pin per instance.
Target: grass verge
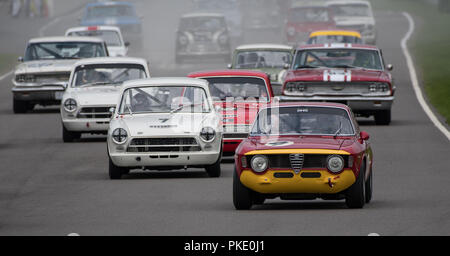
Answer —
(430, 47)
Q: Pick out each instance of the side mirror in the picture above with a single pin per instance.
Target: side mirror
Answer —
(20, 59)
(390, 67)
(65, 85)
(218, 108)
(286, 66)
(127, 44)
(229, 66)
(112, 110)
(364, 136)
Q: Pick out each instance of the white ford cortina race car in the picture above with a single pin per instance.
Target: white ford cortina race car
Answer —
(93, 90)
(165, 124)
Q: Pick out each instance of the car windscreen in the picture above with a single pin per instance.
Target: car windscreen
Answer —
(262, 59)
(164, 99)
(107, 74)
(202, 24)
(312, 14)
(330, 39)
(109, 11)
(237, 88)
(110, 37)
(303, 121)
(338, 58)
(64, 50)
(350, 10)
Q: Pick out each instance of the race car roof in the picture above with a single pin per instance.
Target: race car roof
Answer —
(335, 33)
(109, 3)
(337, 46)
(205, 14)
(347, 2)
(89, 28)
(111, 60)
(166, 81)
(66, 39)
(229, 72)
(308, 104)
(264, 46)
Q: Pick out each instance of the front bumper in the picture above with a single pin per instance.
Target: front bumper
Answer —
(39, 93)
(327, 183)
(176, 159)
(357, 104)
(87, 125)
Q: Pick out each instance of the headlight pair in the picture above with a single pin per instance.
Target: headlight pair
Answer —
(295, 87)
(379, 87)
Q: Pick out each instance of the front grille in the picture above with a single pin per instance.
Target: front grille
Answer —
(151, 145)
(296, 162)
(95, 112)
(332, 89)
(59, 77)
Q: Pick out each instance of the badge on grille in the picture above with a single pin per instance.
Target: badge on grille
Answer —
(296, 162)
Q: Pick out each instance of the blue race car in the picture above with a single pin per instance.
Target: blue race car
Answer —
(120, 14)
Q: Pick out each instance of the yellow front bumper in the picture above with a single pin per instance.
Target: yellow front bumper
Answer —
(327, 183)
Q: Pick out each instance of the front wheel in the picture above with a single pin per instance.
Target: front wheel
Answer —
(383, 117)
(242, 196)
(356, 194)
(69, 136)
(20, 106)
(116, 172)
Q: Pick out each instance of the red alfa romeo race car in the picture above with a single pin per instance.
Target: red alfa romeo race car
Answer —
(301, 151)
(355, 75)
(239, 94)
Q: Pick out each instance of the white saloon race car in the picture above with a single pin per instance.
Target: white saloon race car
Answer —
(110, 34)
(93, 90)
(42, 76)
(165, 124)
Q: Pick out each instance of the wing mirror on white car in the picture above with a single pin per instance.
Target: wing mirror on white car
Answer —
(286, 66)
(390, 67)
(20, 59)
(127, 44)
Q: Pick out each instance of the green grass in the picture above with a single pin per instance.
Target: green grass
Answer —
(430, 46)
(7, 62)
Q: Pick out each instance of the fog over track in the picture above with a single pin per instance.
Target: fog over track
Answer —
(51, 188)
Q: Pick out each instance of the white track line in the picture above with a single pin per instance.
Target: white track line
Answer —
(6, 75)
(415, 81)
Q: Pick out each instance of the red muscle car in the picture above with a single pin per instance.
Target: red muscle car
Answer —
(301, 151)
(354, 75)
(239, 94)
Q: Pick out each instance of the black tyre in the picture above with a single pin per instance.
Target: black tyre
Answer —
(214, 170)
(69, 136)
(258, 198)
(242, 196)
(355, 197)
(20, 106)
(116, 172)
(369, 187)
(383, 117)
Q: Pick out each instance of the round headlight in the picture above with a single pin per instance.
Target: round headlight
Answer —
(207, 134)
(335, 163)
(223, 39)
(260, 163)
(70, 105)
(183, 40)
(119, 135)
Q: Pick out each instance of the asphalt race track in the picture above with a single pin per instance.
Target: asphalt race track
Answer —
(51, 188)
